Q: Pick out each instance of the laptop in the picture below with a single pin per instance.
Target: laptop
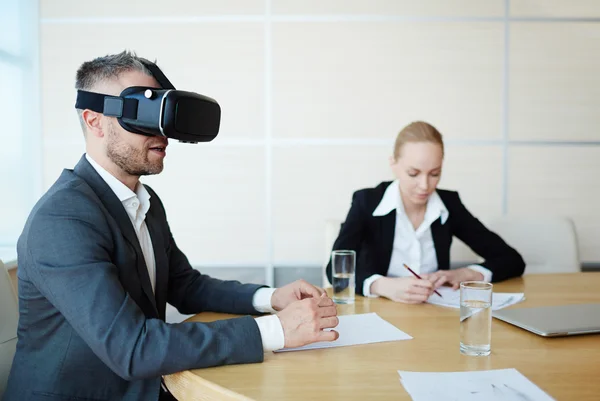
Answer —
(554, 321)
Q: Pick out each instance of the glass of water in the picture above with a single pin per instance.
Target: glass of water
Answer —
(475, 318)
(343, 265)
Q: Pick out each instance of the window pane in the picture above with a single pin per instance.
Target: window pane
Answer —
(10, 34)
(12, 177)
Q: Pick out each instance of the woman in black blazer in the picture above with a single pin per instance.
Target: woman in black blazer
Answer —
(409, 221)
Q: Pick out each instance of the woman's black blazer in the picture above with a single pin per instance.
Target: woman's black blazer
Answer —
(372, 237)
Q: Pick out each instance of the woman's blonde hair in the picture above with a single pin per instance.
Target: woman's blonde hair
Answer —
(418, 131)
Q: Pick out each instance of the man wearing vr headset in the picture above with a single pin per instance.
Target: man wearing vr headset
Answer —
(98, 263)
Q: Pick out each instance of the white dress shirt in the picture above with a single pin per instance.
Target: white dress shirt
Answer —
(415, 248)
(136, 205)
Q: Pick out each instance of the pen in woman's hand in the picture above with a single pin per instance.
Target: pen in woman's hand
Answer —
(419, 277)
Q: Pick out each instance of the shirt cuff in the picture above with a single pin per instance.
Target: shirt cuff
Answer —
(487, 274)
(271, 332)
(367, 285)
(261, 301)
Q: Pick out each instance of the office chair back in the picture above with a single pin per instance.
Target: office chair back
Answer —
(9, 318)
(548, 244)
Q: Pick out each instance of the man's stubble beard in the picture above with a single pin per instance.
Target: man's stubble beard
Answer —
(132, 161)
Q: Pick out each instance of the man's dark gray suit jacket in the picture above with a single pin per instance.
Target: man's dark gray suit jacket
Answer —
(90, 327)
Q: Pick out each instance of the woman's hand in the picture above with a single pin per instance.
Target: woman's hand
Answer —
(403, 289)
(452, 277)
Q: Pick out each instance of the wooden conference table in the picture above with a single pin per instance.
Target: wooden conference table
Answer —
(567, 368)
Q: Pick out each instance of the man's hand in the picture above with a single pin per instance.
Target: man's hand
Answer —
(303, 321)
(452, 277)
(296, 291)
(409, 290)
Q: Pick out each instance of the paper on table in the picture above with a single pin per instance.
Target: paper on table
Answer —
(488, 385)
(451, 298)
(173, 315)
(364, 328)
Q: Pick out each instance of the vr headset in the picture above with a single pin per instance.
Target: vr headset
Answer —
(185, 116)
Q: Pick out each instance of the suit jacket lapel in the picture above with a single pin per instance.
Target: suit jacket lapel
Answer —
(441, 241)
(85, 170)
(162, 265)
(388, 230)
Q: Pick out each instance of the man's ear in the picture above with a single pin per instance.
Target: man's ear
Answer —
(92, 120)
(392, 160)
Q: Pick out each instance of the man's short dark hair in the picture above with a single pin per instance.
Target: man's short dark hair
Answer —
(105, 68)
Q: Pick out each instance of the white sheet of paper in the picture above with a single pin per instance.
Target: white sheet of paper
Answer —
(487, 385)
(358, 329)
(451, 298)
(172, 315)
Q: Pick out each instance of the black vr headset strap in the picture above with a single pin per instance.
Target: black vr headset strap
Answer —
(115, 106)
(111, 106)
(162, 80)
